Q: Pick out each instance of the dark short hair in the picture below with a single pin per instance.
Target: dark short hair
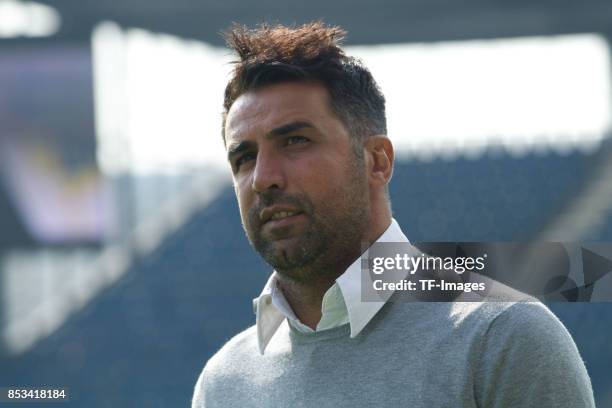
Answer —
(273, 54)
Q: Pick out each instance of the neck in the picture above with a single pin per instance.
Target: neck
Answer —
(306, 297)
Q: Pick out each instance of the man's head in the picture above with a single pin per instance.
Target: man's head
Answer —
(304, 126)
(270, 55)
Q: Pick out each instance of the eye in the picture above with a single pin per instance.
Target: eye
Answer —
(245, 158)
(292, 140)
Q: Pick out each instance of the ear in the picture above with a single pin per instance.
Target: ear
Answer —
(379, 150)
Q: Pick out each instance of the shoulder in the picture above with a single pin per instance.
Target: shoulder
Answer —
(480, 316)
(233, 353)
(229, 361)
(527, 348)
(502, 305)
(233, 356)
(510, 325)
(529, 322)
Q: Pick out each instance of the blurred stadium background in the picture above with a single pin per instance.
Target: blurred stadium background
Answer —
(123, 265)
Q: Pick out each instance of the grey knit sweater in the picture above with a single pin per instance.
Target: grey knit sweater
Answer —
(418, 355)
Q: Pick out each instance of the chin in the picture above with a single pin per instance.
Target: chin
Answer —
(287, 253)
(286, 248)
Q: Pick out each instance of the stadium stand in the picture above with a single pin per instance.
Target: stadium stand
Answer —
(143, 341)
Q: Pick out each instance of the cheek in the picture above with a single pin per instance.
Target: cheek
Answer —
(244, 199)
(319, 178)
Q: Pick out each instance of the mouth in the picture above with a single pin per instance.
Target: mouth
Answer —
(276, 217)
(284, 225)
(282, 215)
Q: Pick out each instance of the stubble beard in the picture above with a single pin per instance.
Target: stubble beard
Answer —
(333, 237)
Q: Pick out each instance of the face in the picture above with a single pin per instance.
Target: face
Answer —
(302, 190)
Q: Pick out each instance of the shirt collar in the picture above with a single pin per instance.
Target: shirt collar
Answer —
(270, 314)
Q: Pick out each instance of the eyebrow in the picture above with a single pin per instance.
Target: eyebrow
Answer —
(288, 128)
(240, 147)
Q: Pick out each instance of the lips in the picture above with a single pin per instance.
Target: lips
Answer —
(276, 213)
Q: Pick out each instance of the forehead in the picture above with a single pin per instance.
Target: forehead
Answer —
(258, 111)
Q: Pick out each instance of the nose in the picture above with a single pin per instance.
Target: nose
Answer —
(268, 173)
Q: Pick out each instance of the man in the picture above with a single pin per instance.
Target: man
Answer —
(305, 132)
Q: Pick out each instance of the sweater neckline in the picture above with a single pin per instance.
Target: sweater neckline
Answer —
(336, 332)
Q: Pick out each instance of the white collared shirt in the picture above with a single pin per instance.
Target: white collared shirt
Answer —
(341, 303)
